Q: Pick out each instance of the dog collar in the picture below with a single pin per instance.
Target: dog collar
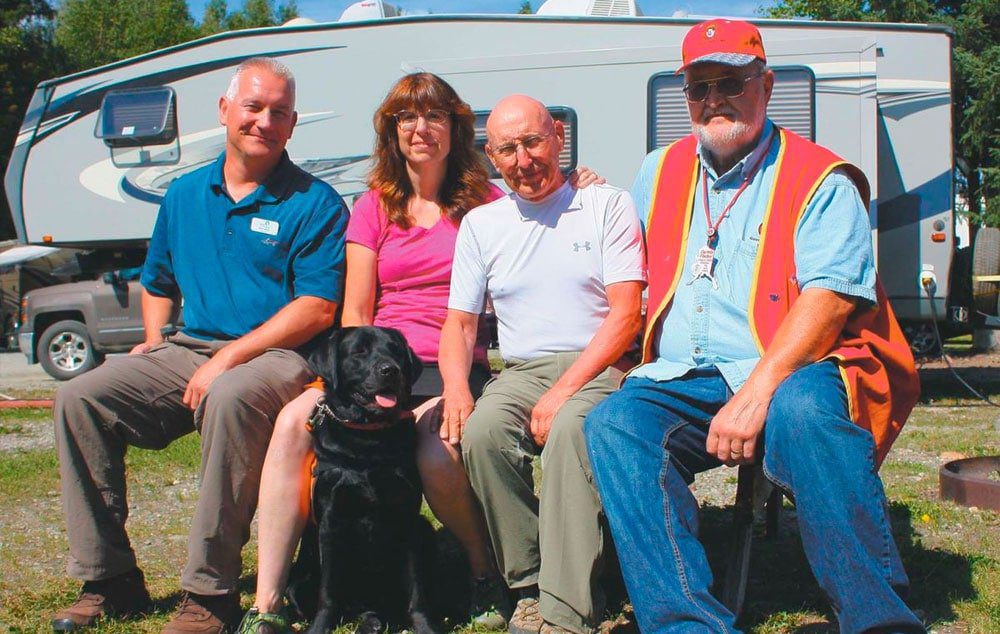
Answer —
(324, 412)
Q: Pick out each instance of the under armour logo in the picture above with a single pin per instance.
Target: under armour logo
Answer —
(577, 247)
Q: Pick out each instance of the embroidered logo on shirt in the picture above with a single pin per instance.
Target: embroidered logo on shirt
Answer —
(261, 225)
(577, 246)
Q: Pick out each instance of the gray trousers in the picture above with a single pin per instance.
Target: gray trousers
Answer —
(555, 540)
(136, 400)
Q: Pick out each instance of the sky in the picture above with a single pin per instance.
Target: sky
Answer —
(330, 10)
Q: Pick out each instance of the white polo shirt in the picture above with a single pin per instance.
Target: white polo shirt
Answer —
(547, 265)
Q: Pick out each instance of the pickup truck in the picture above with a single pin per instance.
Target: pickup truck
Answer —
(68, 328)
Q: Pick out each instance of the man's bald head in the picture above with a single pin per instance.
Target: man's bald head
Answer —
(524, 144)
(518, 109)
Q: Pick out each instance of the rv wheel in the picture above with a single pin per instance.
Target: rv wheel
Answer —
(65, 350)
(986, 261)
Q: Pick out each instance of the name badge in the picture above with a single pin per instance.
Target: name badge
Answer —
(260, 225)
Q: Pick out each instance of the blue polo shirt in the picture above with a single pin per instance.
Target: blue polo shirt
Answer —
(236, 264)
(707, 325)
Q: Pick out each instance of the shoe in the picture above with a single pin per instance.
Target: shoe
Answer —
(122, 595)
(489, 606)
(201, 614)
(526, 618)
(552, 628)
(257, 622)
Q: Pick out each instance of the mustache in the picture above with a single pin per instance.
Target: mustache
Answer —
(722, 112)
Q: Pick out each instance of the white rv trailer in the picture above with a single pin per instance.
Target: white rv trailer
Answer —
(877, 94)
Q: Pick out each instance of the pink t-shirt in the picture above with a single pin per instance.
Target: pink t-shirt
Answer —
(413, 273)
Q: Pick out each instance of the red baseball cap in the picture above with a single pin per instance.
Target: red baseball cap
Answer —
(730, 42)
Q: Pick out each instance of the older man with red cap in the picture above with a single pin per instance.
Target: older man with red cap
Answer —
(768, 339)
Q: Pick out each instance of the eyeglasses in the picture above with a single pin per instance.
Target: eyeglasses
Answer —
(728, 87)
(407, 119)
(533, 144)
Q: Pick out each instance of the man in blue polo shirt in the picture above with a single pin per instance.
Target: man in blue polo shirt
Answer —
(255, 246)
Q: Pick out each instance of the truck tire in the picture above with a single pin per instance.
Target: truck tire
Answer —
(65, 350)
(986, 261)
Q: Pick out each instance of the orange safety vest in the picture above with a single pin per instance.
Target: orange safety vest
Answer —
(874, 358)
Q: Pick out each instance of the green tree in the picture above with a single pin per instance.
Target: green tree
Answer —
(525, 8)
(975, 85)
(287, 11)
(27, 56)
(95, 32)
(215, 19)
(260, 13)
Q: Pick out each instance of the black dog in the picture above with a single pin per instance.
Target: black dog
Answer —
(373, 548)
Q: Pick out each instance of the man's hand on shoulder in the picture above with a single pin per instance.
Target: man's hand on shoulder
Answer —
(733, 433)
(544, 413)
(456, 406)
(203, 378)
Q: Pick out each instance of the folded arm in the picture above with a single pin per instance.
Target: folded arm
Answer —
(808, 333)
(295, 324)
(612, 339)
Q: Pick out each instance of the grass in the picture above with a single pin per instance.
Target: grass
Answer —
(951, 553)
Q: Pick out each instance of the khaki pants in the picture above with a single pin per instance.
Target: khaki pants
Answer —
(556, 540)
(136, 400)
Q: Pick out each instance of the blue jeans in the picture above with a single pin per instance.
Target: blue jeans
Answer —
(647, 442)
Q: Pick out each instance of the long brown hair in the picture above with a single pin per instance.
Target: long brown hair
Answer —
(466, 183)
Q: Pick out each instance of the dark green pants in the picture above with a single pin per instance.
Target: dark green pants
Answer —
(556, 539)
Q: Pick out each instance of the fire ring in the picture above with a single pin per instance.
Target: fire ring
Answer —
(972, 482)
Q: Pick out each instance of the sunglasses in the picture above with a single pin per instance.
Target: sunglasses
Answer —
(407, 119)
(728, 87)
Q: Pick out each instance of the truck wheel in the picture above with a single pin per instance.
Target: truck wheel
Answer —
(986, 261)
(65, 350)
(923, 343)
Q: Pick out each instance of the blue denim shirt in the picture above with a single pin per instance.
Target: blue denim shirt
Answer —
(708, 326)
(238, 263)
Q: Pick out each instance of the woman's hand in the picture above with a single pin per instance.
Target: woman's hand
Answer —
(583, 177)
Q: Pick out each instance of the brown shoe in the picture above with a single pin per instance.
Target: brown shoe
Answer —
(526, 618)
(200, 614)
(123, 595)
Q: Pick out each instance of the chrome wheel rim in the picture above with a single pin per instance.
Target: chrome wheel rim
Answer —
(68, 351)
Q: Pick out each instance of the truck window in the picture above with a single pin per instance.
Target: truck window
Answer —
(568, 157)
(792, 105)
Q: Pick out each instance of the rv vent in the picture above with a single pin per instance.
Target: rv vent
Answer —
(567, 158)
(792, 105)
(130, 118)
(614, 8)
(604, 8)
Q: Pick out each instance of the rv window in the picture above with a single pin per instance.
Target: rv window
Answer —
(140, 126)
(792, 105)
(567, 159)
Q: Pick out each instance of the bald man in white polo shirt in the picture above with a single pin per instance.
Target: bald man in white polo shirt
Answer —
(564, 269)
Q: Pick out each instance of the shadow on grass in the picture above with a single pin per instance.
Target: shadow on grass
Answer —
(939, 383)
(781, 581)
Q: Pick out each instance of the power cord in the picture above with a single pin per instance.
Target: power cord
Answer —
(928, 283)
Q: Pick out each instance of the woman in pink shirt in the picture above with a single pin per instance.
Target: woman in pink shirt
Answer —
(401, 240)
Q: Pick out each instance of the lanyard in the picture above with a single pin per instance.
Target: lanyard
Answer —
(713, 228)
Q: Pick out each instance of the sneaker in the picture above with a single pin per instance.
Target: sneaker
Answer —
(489, 605)
(200, 614)
(123, 595)
(257, 622)
(526, 618)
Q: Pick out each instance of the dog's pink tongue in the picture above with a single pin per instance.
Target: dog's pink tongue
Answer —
(385, 401)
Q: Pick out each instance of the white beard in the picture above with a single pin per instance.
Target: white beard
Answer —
(730, 139)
